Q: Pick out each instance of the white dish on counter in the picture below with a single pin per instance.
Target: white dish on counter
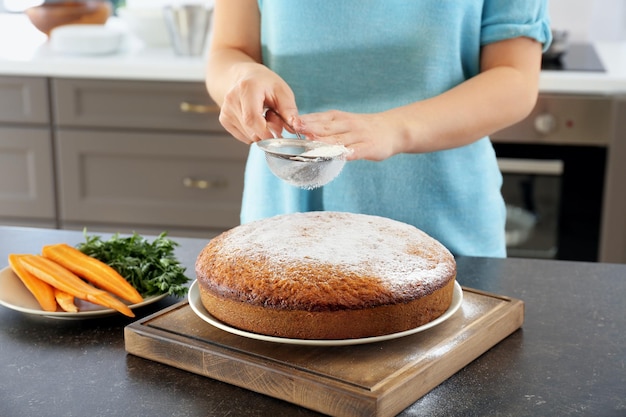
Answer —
(84, 39)
(147, 24)
(196, 305)
(15, 295)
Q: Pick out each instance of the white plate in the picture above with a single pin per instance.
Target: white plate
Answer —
(15, 295)
(198, 308)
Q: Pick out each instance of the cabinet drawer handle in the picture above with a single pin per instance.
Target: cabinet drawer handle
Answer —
(204, 184)
(187, 107)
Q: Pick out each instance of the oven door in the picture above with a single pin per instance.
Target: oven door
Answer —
(531, 189)
(554, 194)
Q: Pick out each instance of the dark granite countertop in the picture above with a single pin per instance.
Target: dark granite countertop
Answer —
(569, 358)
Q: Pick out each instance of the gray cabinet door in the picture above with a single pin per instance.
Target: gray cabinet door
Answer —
(150, 179)
(24, 100)
(26, 174)
(134, 104)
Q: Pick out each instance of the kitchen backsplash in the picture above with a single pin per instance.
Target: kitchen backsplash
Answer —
(590, 20)
(585, 20)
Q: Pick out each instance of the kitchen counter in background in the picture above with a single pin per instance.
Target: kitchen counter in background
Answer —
(25, 52)
(568, 357)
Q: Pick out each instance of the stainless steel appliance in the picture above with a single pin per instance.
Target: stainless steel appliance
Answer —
(573, 57)
(564, 169)
(554, 165)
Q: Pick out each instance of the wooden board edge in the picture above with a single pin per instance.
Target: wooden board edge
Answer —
(145, 320)
(405, 390)
(333, 399)
(293, 386)
(489, 294)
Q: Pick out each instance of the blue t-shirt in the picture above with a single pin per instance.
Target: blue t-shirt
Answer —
(371, 55)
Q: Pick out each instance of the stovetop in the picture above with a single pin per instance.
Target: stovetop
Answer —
(578, 57)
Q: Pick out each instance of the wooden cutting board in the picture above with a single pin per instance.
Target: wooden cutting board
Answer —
(378, 379)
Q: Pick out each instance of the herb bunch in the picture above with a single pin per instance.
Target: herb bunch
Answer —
(150, 267)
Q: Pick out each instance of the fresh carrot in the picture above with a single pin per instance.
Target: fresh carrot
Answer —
(65, 280)
(42, 291)
(93, 270)
(65, 301)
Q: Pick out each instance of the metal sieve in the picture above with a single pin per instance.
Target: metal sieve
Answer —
(304, 163)
(301, 162)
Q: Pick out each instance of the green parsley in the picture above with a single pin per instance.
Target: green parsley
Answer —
(151, 267)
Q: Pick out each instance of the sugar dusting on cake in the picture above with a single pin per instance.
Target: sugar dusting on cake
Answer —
(400, 256)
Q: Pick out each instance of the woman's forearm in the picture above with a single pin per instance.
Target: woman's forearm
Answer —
(224, 69)
(503, 94)
(235, 43)
(479, 107)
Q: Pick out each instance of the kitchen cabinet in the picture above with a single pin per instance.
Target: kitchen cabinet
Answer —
(27, 190)
(116, 156)
(124, 105)
(156, 180)
(147, 156)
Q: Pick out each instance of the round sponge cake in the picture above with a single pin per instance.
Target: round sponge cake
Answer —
(325, 275)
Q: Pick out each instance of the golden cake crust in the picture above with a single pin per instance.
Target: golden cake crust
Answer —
(325, 275)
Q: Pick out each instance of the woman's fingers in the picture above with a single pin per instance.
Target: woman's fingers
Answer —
(367, 136)
(331, 126)
(244, 122)
(244, 110)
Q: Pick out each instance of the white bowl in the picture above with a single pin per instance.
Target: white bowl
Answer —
(83, 39)
(147, 24)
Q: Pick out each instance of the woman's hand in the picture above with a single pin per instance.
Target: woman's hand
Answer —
(367, 136)
(243, 111)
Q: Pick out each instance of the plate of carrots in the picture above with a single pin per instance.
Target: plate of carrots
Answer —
(64, 283)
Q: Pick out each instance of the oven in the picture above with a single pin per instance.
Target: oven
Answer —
(553, 165)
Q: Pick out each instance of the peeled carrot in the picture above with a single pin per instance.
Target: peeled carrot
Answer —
(65, 280)
(93, 270)
(42, 291)
(65, 301)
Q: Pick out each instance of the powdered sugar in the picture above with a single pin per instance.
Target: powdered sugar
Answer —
(306, 173)
(329, 151)
(401, 257)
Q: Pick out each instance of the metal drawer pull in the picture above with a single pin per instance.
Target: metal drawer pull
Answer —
(204, 184)
(187, 107)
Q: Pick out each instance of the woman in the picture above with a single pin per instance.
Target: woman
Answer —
(412, 88)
